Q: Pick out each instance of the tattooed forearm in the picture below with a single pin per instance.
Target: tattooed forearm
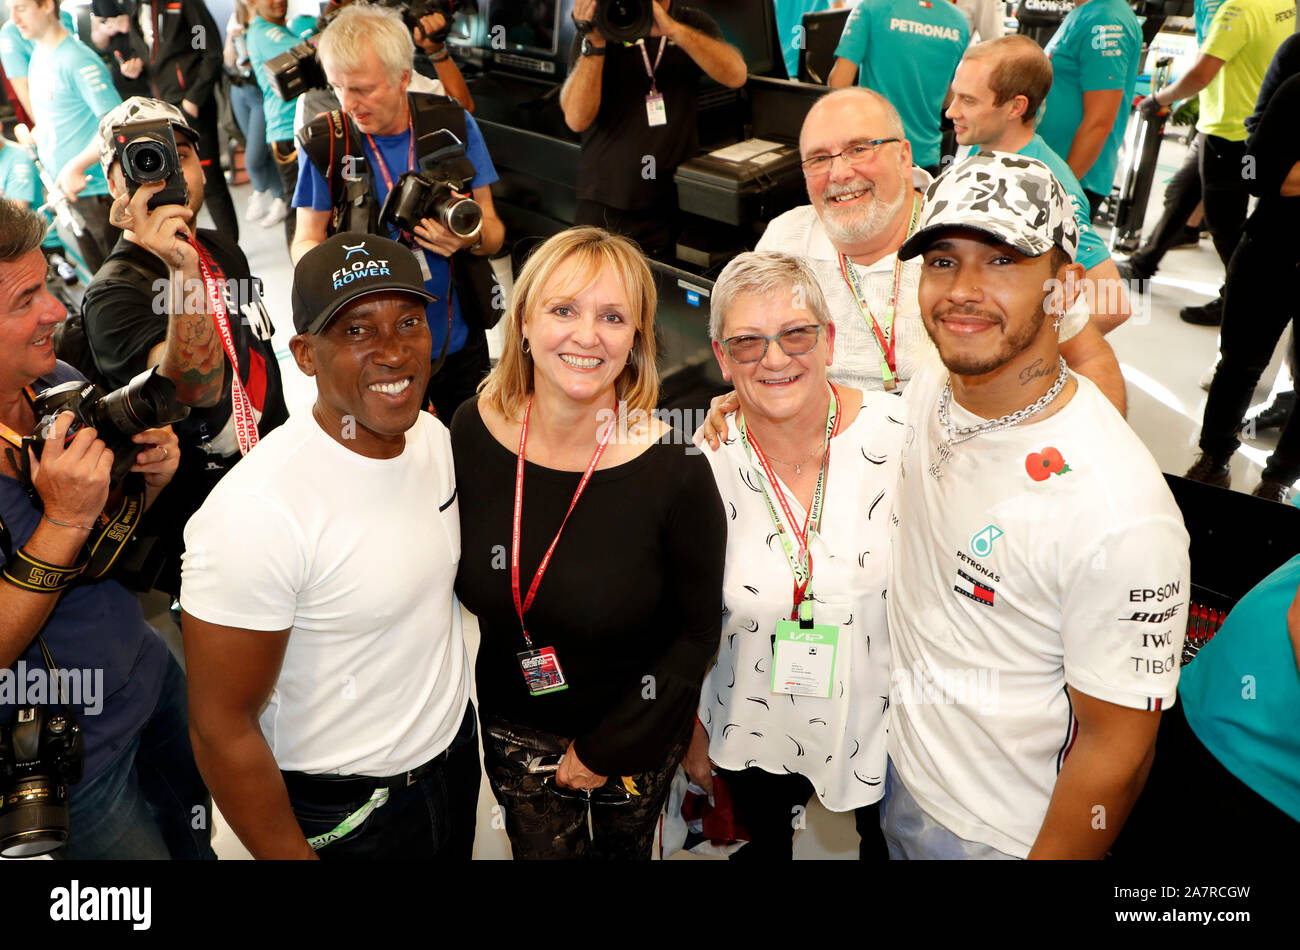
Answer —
(193, 358)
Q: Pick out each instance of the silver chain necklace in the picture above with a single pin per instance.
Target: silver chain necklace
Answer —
(957, 434)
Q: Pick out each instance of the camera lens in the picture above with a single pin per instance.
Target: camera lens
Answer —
(147, 160)
(463, 217)
(624, 20)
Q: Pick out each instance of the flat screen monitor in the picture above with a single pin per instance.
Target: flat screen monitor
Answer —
(524, 26)
(750, 26)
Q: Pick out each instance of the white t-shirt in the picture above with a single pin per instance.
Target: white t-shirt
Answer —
(837, 743)
(1048, 553)
(857, 354)
(358, 556)
(419, 83)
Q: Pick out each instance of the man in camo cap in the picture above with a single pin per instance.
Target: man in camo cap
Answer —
(1039, 571)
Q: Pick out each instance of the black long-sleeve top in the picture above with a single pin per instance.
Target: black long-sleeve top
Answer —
(631, 601)
(1275, 148)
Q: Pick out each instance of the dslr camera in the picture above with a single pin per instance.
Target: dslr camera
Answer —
(439, 190)
(146, 402)
(147, 152)
(42, 750)
(621, 21)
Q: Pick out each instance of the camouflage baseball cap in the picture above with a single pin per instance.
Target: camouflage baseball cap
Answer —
(1010, 197)
(139, 109)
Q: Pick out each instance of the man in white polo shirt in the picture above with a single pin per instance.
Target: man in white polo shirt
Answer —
(329, 689)
(1039, 571)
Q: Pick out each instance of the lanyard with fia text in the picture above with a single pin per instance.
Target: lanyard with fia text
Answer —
(241, 407)
(540, 667)
(886, 339)
(800, 559)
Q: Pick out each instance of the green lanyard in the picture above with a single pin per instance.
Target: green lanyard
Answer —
(800, 558)
(885, 339)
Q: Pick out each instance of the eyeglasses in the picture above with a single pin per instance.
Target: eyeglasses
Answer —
(856, 154)
(752, 347)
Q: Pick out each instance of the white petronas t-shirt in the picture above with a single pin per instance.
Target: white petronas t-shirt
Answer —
(358, 556)
(1047, 554)
(838, 743)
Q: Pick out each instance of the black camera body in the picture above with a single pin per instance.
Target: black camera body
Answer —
(440, 190)
(623, 21)
(295, 71)
(415, 9)
(42, 751)
(147, 152)
(147, 402)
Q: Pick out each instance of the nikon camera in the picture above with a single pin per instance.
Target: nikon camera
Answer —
(41, 755)
(439, 190)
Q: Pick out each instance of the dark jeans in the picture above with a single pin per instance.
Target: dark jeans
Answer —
(654, 228)
(1192, 809)
(99, 236)
(216, 195)
(1255, 314)
(1212, 173)
(288, 169)
(460, 375)
(766, 805)
(150, 803)
(246, 103)
(545, 824)
(431, 819)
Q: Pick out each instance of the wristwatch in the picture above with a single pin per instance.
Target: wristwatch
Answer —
(590, 49)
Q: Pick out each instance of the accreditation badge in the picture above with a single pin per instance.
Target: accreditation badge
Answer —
(541, 669)
(803, 662)
(655, 111)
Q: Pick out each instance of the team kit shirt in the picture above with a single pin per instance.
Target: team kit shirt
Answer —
(313, 192)
(838, 741)
(70, 89)
(1097, 47)
(1046, 554)
(1202, 13)
(1092, 249)
(16, 49)
(1244, 34)
(857, 352)
(908, 51)
(20, 182)
(267, 40)
(359, 567)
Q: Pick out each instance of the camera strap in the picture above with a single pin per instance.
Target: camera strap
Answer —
(241, 407)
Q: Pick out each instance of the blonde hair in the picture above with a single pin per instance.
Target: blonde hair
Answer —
(359, 27)
(509, 385)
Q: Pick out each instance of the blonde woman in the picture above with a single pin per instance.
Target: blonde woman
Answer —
(592, 553)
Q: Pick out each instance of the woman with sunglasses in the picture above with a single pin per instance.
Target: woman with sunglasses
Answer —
(795, 704)
(592, 547)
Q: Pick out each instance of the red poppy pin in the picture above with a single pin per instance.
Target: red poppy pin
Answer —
(1042, 464)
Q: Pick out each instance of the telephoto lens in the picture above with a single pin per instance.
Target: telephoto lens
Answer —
(623, 21)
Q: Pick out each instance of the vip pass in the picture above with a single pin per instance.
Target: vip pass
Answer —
(955, 434)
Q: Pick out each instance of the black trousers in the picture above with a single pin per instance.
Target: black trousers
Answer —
(1256, 311)
(99, 236)
(1212, 173)
(460, 375)
(771, 807)
(216, 195)
(285, 153)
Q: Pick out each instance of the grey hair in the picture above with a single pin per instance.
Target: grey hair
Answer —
(760, 274)
(21, 230)
(892, 119)
(361, 26)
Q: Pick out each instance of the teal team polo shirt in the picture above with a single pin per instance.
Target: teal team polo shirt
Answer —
(70, 88)
(908, 50)
(267, 40)
(1202, 13)
(19, 182)
(1096, 47)
(1241, 695)
(789, 28)
(16, 50)
(1092, 250)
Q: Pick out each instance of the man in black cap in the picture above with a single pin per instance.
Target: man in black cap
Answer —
(150, 304)
(317, 593)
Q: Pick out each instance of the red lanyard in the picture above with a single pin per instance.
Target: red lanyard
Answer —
(521, 606)
(241, 408)
(379, 156)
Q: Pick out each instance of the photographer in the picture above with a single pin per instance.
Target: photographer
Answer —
(353, 159)
(140, 795)
(637, 102)
(150, 305)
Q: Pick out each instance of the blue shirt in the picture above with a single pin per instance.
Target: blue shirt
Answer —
(19, 181)
(16, 50)
(1241, 695)
(313, 192)
(1097, 47)
(70, 88)
(789, 29)
(267, 40)
(908, 50)
(94, 627)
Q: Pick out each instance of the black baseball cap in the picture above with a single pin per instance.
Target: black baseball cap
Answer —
(347, 266)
